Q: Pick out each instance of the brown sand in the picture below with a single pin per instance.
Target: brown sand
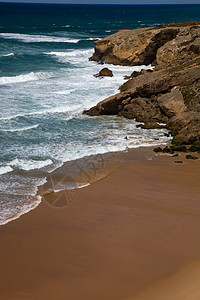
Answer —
(127, 236)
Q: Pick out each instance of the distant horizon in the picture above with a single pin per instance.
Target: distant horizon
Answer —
(104, 2)
(68, 3)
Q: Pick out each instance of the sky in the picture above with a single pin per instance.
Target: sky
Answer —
(109, 1)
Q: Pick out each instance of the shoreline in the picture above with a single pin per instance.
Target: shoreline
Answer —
(114, 240)
(79, 175)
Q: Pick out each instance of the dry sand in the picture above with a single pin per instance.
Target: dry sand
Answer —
(132, 235)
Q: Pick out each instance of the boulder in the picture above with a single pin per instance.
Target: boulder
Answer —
(104, 72)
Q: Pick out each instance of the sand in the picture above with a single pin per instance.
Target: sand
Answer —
(132, 235)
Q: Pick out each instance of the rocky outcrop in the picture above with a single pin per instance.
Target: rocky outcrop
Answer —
(169, 94)
(160, 45)
(105, 72)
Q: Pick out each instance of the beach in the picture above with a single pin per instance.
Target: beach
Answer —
(134, 234)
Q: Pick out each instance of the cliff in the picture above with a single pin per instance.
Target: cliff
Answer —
(171, 93)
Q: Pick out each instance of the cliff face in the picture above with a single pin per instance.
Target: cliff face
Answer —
(171, 93)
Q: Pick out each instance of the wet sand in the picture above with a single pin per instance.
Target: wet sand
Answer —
(132, 235)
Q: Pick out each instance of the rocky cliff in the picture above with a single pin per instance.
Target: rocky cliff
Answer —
(171, 93)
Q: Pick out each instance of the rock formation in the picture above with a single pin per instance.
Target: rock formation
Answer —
(105, 72)
(169, 94)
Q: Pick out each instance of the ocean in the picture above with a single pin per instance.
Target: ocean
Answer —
(46, 82)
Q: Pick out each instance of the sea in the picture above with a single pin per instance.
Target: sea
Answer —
(46, 82)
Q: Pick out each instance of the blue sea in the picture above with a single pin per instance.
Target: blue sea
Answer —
(46, 81)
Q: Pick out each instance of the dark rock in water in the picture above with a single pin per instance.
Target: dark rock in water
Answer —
(175, 155)
(105, 72)
(178, 162)
(189, 156)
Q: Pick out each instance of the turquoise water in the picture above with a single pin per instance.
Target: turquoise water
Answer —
(46, 81)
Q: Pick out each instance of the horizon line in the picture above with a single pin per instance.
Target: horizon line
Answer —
(62, 3)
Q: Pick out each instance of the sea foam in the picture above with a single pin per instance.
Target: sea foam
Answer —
(32, 76)
(28, 165)
(34, 38)
(5, 169)
(20, 129)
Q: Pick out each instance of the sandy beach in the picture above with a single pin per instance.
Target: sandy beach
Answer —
(132, 235)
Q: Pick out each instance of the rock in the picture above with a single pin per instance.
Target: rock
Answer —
(132, 47)
(163, 44)
(178, 161)
(157, 150)
(136, 73)
(152, 125)
(185, 45)
(167, 150)
(189, 156)
(179, 148)
(195, 147)
(105, 72)
(172, 103)
(169, 94)
(180, 120)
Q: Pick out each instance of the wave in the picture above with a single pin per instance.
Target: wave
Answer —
(92, 39)
(32, 164)
(33, 38)
(64, 92)
(80, 52)
(76, 57)
(20, 129)
(5, 169)
(9, 54)
(25, 77)
(54, 110)
(26, 209)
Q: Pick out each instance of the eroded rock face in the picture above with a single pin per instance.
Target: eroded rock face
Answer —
(172, 103)
(161, 45)
(132, 47)
(169, 94)
(185, 46)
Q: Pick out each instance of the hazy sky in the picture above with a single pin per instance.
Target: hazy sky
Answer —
(109, 1)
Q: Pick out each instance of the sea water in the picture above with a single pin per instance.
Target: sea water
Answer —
(46, 82)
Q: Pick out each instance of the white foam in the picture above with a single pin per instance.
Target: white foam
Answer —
(34, 38)
(25, 77)
(5, 169)
(9, 54)
(28, 165)
(73, 53)
(54, 110)
(93, 39)
(25, 210)
(64, 92)
(20, 129)
(77, 57)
